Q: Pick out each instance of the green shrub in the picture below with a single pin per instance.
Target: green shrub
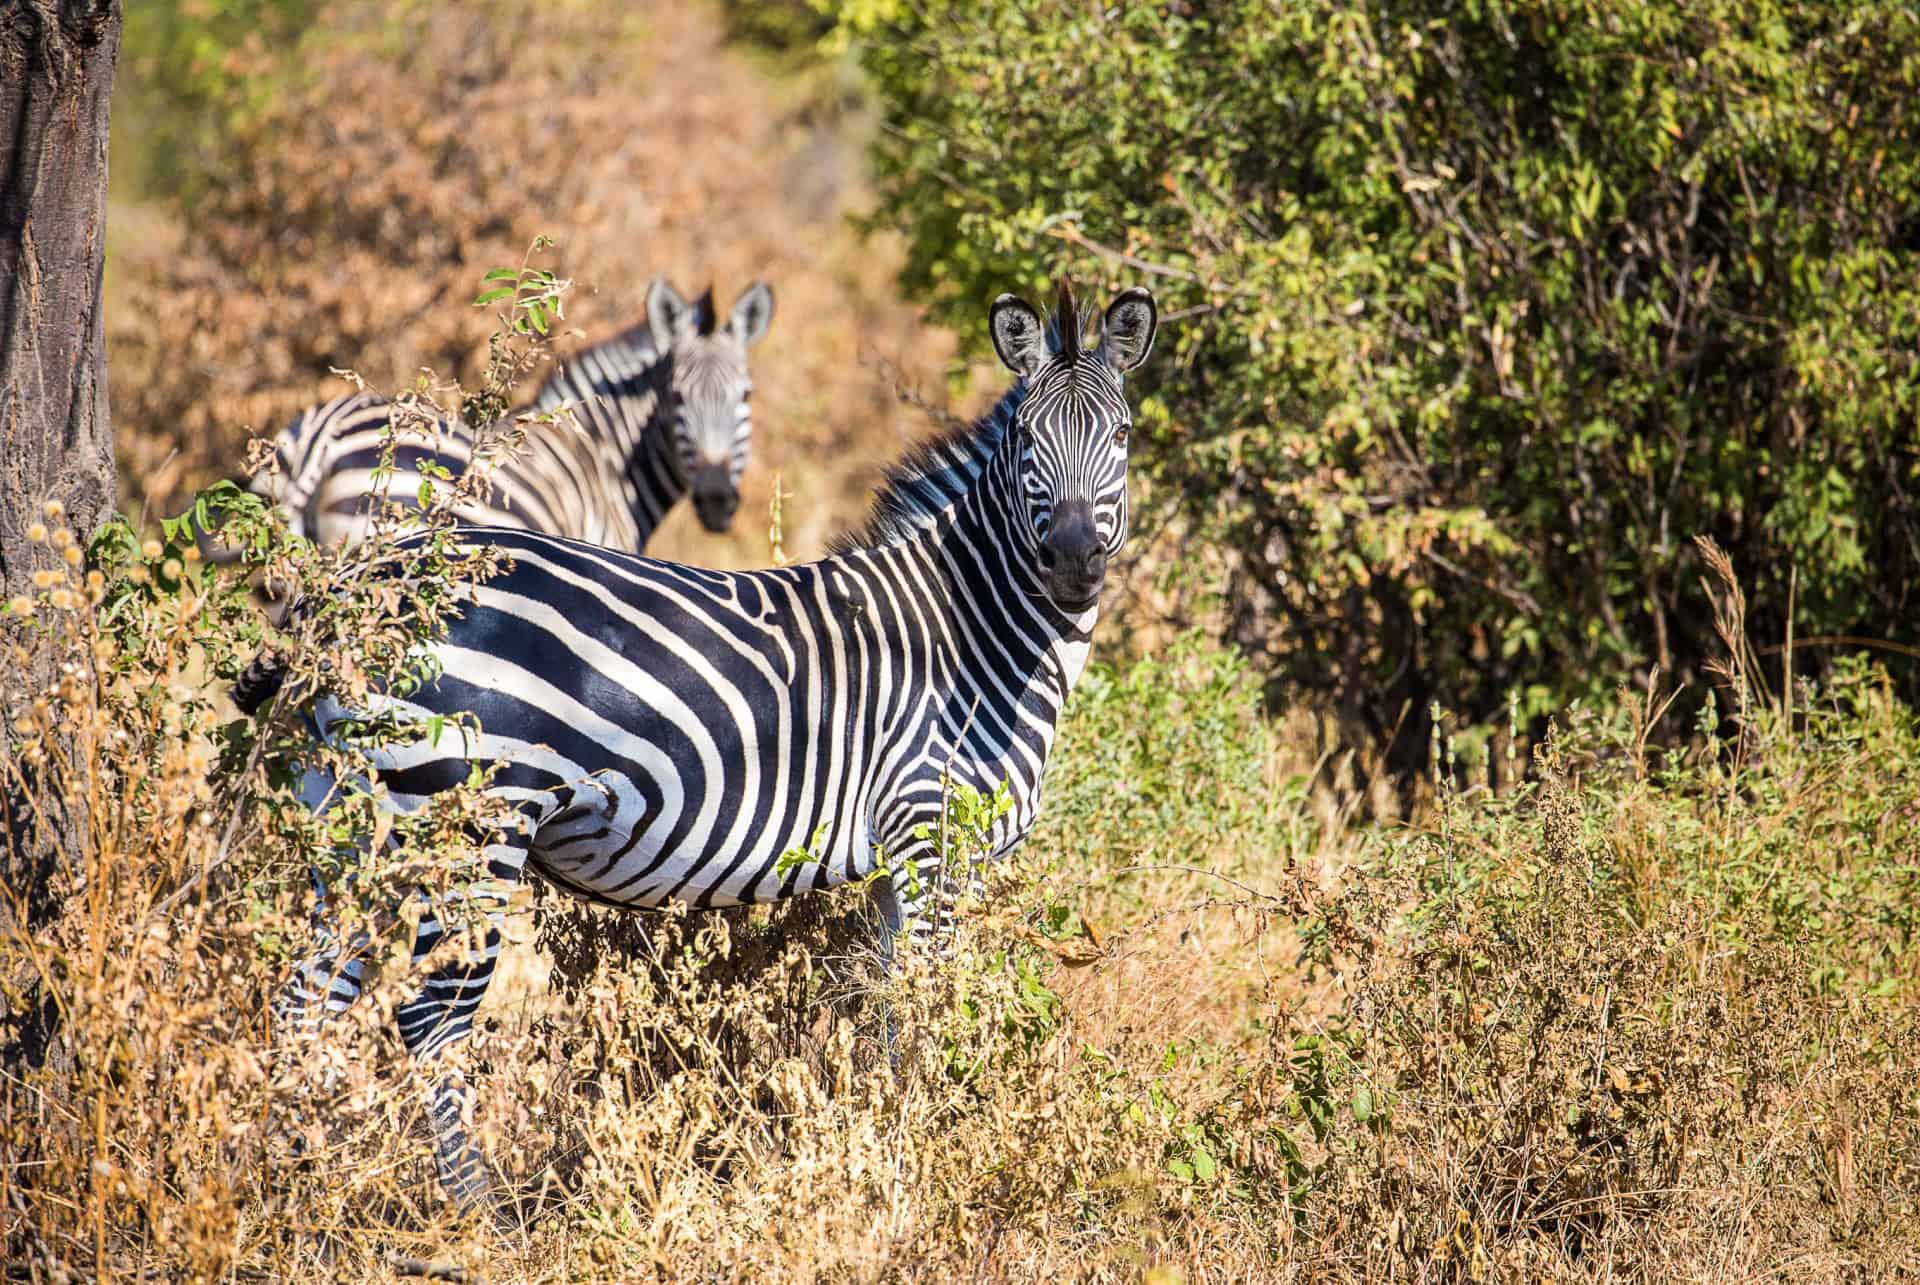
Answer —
(193, 69)
(1475, 312)
(1169, 757)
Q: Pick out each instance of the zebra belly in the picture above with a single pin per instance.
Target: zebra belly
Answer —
(643, 835)
(608, 843)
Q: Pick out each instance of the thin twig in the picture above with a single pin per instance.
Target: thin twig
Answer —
(1846, 640)
(1201, 870)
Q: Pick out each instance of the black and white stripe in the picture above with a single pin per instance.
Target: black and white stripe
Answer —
(666, 733)
(659, 411)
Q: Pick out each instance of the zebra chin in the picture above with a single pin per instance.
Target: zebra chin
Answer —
(1075, 599)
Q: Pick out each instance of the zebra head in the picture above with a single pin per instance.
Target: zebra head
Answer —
(1070, 434)
(705, 399)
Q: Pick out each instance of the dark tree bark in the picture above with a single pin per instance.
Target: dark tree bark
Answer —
(56, 84)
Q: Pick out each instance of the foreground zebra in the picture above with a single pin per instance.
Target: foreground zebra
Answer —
(667, 733)
(661, 411)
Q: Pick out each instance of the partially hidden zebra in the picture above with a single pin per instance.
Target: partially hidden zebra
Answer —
(661, 409)
(666, 733)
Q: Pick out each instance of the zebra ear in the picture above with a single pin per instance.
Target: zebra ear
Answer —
(667, 313)
(1018, 335)
(752, 312)
(1126, 335)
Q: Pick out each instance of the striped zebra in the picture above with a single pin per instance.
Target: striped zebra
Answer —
(661, 409)
(665, 733)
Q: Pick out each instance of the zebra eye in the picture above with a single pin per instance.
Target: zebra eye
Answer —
(1120, 435)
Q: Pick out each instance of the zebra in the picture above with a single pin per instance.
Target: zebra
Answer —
(662, 410)
(664, 733)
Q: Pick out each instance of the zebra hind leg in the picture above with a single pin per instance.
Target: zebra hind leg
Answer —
(322, 987)
(441, 1017)
(328, 982)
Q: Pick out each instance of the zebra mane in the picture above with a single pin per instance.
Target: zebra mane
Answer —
(933, 475)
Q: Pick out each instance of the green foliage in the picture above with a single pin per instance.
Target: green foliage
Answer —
(197, 68)
(1002, 1016)
(1474, 314)
(1169, 754)
(967, 817)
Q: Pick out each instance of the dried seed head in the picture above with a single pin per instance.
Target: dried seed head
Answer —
(54, 510)
(20, 605)
(37, 532)
(151, 550)
(72, 555)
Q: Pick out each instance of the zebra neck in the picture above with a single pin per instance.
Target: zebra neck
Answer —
(1009, 637)
(618, 389)
(654, 480)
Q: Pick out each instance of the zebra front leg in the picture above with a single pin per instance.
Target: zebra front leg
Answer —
(913, 899)
(920, 897)
(328, 982)
(441, 1017)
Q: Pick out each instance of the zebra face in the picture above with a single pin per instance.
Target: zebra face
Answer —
(708, 390)
(1070, 435)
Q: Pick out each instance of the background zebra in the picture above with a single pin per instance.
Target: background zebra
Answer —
(661, 409)
(666, 733)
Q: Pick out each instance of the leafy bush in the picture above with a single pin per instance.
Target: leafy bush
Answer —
(1168, 755)
(199, 70)
(1476, 312)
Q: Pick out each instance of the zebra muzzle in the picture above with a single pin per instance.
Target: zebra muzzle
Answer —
(1073, 559)
(715, 498)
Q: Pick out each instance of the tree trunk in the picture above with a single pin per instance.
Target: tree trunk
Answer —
(56, 84)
